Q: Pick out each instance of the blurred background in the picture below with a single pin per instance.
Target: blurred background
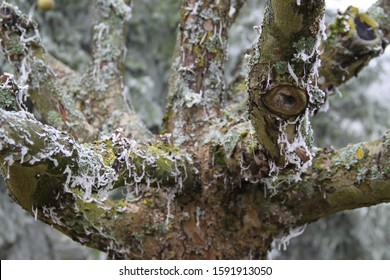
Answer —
(359, 112)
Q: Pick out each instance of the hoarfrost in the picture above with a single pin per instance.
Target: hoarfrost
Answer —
(198, 213)
(170, 197)
(291, 71)
(283, 241)
(300, 142)
(192, 98)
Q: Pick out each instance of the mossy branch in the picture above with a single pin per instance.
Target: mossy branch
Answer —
(353, 40)
(21, 45)
(282, 80)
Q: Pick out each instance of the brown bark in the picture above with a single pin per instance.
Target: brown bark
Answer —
(212, 186)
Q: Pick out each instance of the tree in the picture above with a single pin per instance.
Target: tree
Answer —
(216, 183)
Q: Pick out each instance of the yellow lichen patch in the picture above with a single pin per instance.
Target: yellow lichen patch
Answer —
(362, 17)
(367, 20)
(359, 153)
(149, 203)
(106, 150)
(353, 10)
(354, 13)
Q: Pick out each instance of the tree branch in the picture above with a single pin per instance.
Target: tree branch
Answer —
(107, 164)
(20, 43)
(353, 40)
(198, 83)
(282, 80)
(353, 177)
(66, 184)
(334, 53)
(105, 103)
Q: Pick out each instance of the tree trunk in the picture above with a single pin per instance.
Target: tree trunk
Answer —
(214, 185)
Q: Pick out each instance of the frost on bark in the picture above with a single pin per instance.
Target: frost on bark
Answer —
(215, 185)
(282, 80)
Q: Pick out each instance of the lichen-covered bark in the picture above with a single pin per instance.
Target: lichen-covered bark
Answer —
(198, 83)
(353, 40)
(211, 187)
(282, 80)
(65, 184)
(353, 177)
(104, 102)
(21, 44)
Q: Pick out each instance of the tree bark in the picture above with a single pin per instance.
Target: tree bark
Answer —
(282, 80)
(353, 40)
(213, 186)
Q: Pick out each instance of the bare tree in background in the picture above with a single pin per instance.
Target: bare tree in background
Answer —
(217, 183)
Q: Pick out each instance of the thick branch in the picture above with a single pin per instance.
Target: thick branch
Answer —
(353, 40)
(337, 51)
(105, 103)
(66, 184)
(198, 83)
(106, 164)
(20, 43)
(353, 177)
(282, 80)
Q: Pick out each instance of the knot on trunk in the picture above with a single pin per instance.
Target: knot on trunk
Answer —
(286, 101)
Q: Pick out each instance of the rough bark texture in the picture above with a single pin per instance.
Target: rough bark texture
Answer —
(353, 40)
(282, 80)
(214, 186)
